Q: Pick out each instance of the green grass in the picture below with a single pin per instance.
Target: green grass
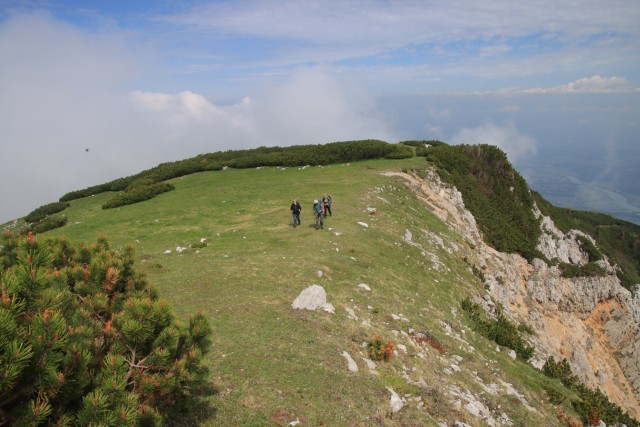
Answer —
(270, 364)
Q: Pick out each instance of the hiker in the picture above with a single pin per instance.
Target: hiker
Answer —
(326, 202)
(318, 211)
(296, 209)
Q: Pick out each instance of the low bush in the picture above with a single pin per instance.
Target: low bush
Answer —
(505, 333)
(523, 327)
(138, 194)
(554, 395)
(560, 370)
(426, 337)
(592, 252)
(495, 193)
(588, 270)
(592, 405)
(41, 213)
(501, 330)
(400, 152)
(119, 184)
(478, 273)
(49, 223)
(379, 350)
(87, 341)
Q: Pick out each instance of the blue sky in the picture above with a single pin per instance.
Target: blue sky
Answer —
(140, 83)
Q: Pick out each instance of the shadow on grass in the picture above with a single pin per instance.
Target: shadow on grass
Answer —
(198, 408)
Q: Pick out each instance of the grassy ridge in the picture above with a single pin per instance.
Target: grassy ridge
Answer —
(298, 155)
(272, 364)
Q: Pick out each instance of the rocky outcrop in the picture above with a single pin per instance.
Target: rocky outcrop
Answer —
(554, 244)
(577, 295)
(593, 322)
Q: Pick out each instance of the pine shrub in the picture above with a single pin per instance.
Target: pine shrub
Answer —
(494, 192)
(379, 350)
(137, 194)
(42, 212)
(85, 340)
(588, 270)
(400, 151)
(501, 330)
(592, 405)
(49, 223)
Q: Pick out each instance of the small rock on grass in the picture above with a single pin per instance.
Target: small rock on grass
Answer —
(395, 401)
(351, 364)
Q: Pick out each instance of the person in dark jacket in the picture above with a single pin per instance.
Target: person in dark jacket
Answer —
(295, 210)
(326, 202)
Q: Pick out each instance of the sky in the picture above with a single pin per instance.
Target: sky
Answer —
(95, 90)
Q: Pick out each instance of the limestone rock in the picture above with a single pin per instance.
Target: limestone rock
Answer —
(592, 321)
(554, 244)
(351, 364)
(395, 401)
(350, 313)
(364, 286)
(329, 308)
(312, 298)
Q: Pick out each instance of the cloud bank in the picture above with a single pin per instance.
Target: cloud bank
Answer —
(593, 84)
(65, 91)
(516, 144)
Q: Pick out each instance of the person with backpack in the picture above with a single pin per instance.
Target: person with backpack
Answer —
(318, 211)
(295, 210)
(326, 202)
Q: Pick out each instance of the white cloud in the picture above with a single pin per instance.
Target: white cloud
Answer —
(407, 22)
(65, 90)
(507, 138)
(310, 108)
(151, 101)
(61, 92)
(489, 39)
(594, 84)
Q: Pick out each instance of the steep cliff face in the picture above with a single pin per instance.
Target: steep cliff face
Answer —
(593, 322)
(603, 345)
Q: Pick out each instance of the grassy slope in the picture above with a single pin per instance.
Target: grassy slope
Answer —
(271, 364)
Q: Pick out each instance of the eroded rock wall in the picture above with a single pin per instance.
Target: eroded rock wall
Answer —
(592, 322)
